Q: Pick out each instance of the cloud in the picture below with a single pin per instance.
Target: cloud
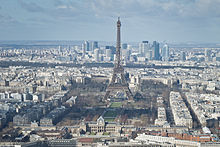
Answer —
(7, 20)
(70, 11)
(66, 7)
(39, 21)
(158, 8)
(145, 18)
(31, 6)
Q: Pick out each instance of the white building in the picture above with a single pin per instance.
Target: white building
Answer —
(165, 53)
(96, 55)
(180, 112)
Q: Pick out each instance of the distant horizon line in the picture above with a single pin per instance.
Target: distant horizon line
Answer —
(60, 40)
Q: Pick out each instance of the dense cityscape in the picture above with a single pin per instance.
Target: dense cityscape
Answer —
(54, 93)
(66, 93)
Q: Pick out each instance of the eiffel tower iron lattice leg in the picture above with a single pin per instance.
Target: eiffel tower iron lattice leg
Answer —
(123, 86)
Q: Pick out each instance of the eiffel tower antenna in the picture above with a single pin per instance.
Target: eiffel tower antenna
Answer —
(118, 71)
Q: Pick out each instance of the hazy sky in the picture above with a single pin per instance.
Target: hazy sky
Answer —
(170, 20)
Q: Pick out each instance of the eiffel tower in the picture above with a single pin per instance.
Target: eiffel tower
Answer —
(118, 81)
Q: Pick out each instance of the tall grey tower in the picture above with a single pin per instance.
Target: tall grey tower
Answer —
(118, 81)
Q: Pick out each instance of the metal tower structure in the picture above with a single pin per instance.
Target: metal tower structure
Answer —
(118, 81)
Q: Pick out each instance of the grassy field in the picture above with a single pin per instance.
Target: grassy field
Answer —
(110, 113)
(115, 105)
(109, 119)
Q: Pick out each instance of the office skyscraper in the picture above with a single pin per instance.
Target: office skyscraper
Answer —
(208, 53)
(59, 48)
(124, 46)
(94, 45)
(109, 54)
(143, 48)
(86, 45)
(156, 48)
(165, 53)
(125, 55)
(83, 49)
(112, 48)
(183, 56)
(96, 54)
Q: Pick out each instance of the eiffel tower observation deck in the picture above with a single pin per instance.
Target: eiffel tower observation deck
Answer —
(118, 81)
